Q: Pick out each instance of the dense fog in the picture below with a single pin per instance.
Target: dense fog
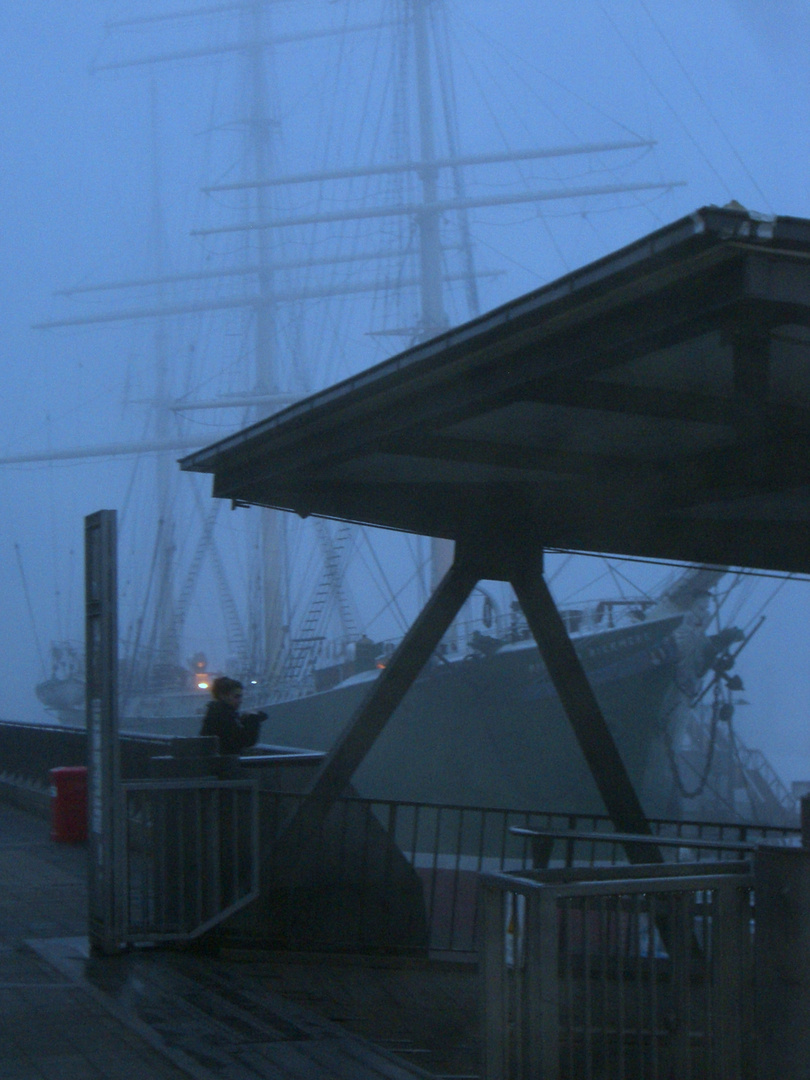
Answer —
(107, 177)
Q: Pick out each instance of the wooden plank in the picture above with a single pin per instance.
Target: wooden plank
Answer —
(352, 1059)
(292, 1061)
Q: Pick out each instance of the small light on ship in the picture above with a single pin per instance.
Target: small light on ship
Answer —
(202, 682)
(381, 665)
(254, 682)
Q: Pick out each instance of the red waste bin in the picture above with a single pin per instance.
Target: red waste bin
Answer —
(69, 804)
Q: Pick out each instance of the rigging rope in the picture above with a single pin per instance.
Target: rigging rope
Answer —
(30, 608)
(707, 767)
(648, 75)
(706, 106)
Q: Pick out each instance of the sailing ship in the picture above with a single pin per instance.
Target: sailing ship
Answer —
(382, 226)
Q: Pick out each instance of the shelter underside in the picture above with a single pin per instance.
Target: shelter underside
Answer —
(655, 403)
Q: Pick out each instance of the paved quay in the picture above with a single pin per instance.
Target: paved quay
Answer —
(165, 1015)
(50, 1025)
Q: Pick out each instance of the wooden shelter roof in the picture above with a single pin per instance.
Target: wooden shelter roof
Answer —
(654, 403)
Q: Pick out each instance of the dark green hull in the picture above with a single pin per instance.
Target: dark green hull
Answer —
(490, 731)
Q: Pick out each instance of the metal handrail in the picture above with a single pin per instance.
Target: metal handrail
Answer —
(638, 838)
(300, 757)
(740, 874)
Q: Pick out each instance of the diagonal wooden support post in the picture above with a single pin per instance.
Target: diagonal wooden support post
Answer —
(373, 713)
(580, 704)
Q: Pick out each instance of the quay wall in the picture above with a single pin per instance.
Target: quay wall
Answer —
(28, 752)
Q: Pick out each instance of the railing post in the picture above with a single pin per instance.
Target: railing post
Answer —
(782, 962)
(727, 980)
(494, 982)
(681, 941)
(543, 984)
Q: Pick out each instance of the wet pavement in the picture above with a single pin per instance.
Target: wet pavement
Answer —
(50, 1026)
(164, 1013)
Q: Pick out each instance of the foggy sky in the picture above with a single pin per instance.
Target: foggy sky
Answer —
(721, 87)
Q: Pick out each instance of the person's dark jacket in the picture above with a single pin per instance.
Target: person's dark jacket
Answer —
(235, 732)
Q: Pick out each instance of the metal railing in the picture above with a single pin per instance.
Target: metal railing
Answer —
(450, 846)
(190, 855)
(625, 975)
(29, 751)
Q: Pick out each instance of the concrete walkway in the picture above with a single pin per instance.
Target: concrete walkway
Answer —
(50, 1026)
(147, 1014)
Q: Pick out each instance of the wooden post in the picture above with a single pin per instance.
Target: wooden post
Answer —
(494, 982)
(105, 866)
(727, 978)
(582, 708)
(370, 719)
(543, 998)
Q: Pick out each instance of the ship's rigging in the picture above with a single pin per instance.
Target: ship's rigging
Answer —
(405, 203)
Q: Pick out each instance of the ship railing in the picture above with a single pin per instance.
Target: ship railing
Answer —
(619, 971)
(450, 847)
(191, 855)
(508, 626)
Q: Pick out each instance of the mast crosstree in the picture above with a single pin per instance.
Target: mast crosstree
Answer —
(434, 230)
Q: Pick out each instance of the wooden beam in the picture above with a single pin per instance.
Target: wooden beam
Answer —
(743, 471)
(373, 713)
(739, 410)
(490, 453)
(582, 708)
(752, 363)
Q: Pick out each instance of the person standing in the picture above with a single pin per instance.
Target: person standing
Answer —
(235, 732)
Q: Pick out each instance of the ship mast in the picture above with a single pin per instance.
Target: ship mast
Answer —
(433, 317)
(165, 628)
(264, 221)
(265, 616)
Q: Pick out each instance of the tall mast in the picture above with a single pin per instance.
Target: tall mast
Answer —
(433, 317)
(266, 596)
(166, 644)
(265, 219)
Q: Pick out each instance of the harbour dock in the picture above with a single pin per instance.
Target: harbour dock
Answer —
(163, 1014)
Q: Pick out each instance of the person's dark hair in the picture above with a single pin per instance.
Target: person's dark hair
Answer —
(224, 685)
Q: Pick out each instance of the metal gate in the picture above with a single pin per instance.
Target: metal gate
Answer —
(190, 856)
(630, 978)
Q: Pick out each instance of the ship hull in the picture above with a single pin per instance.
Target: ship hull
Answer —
(490, 730)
